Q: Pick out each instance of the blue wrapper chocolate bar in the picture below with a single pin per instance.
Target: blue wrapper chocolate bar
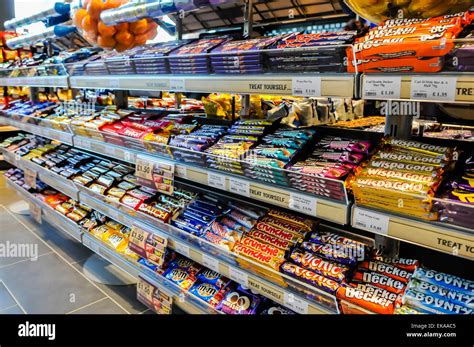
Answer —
(447, 281)
(338, 253)
(441, 292)
(433, 304)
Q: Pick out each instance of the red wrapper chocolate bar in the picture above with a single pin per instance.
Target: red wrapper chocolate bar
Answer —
(337, 253)
(258, 256)
(310, 277)
(319, 265)
(220, 241)
(370, 301)
(278, 232)
(271, 240)
(152, 210)
(386, 269)
(412, 30)
(379, 280)
(410, 64)
(262, 247)
(402, 263)
(308, 224)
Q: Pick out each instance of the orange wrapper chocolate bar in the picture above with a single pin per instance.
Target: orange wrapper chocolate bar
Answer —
(409, 64)
(370, 301)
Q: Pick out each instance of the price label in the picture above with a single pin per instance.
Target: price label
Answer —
(433, 88)
(145, 289)
(138, 237)
(382, 87)
(144, 168)
(177, 84)
(371, 221)
(182, 249)
(238, 276)
(35, 212)
(303, 203)
(210, 262)
(30, 177)
(295, 303)
(240, 187)
(306, 86)
(182, 171)
(215, 180)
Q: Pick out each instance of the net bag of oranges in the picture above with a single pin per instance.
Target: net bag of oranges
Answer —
(123, 36)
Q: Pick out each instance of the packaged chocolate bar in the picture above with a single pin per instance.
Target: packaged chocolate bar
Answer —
(319, 265)
(379, 280)
(236, 301)
(455, 297)
(432, 304)
(450, 282)
(310, 277)
(334, 252)
(386, 269)
(258, 256)
(370, 301)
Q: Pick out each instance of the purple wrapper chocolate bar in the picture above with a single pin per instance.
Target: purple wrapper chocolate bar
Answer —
(198, 47)
(242, 46)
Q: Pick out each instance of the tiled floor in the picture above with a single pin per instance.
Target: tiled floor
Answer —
(54, 282)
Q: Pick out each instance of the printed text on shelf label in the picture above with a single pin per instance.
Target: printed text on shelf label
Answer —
(371, 221)
(303, 203)
(295, 303)
(239, 187)
(382, 87)
(210, 262)
(238, 276)
(306, 86)
(433, 88)
(216, 180)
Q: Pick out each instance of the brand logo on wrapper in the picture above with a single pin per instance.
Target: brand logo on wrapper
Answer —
(19, 250)
(76, 107)
(37, 330)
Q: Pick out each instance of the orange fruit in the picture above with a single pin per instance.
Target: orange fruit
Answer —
(122, 27)
(112, 4)
(152, 25)
(91, 36)
(89, 24)
(78, 17)
(105, 30)
(141, 39)
(125, 38)
(106, 41)
(120, 47)
(95, 8)
(139, 27)
(150, 34)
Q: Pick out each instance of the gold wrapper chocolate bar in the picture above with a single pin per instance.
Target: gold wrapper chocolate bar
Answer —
(262, 247)
(375, 172)
(308, 224)
(410, 157)
(400, 186)
(420, 147)
(273, 230)
(285, 225)
(258, 256)
(267, 238)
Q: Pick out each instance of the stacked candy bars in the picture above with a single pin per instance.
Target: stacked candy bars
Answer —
(333, 158)
(310, 52)
(227, 153)
(276, 152)
(192, 57)
(241, 56)
(434, 292)
(150, 60)
(378, 284)
(457, 204)
(407, 45)
(402, 177)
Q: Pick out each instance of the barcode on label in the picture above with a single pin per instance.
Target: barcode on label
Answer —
(420, 95)
(298, 92)
(371, 93)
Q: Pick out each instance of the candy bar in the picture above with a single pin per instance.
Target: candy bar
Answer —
(320, 266)
(310, 277)
(267, 238)
(236, 301)
(433, 304)
(379, 280)
(258, 256)
(370, 301)
(402, 263)
(337, 253)
(305, 223)
(457, 298)
(450, 282)
(278, 232)
(386, 269)
(262, 247)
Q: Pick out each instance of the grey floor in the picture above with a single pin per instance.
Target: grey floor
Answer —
(54, 282)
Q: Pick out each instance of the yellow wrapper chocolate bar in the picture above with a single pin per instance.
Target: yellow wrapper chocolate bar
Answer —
(258, 256)
(420, 147)
(380, 173)
(308, 224)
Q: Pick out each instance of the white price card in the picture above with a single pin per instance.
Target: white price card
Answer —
(177, 84)
(181, 171)
(210, 262)
(30, 177)
(182, 249)
(145, 289)
(238, 276)
(35, 212)
(303, 203)
(442, 88)
(306, 86)
(370, 221)
(240, 187)
(215, 180)
(144, 168)
(382, 87)
(295, 303)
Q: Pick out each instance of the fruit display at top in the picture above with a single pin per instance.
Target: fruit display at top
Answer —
(123, 36)
(377, 11)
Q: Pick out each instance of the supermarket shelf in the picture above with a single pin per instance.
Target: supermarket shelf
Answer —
(35, 81)
(337, 212)
(39, 130)
(461, 89)
(212, 257)
(450, 239)
(332, 85)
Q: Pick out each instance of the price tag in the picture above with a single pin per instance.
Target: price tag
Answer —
(371, 221)
(306, 86)
(240, 187)
(30, 177)
(35, 212)
(144, 168)
(145, 289)
(382, 87)
(210, 262)
(303, 203)
(238, 276)
(182, 171)
(433, 88)
(138, 237)
(295, 303)
(215, 180)
(177, 84)
(182, 249)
